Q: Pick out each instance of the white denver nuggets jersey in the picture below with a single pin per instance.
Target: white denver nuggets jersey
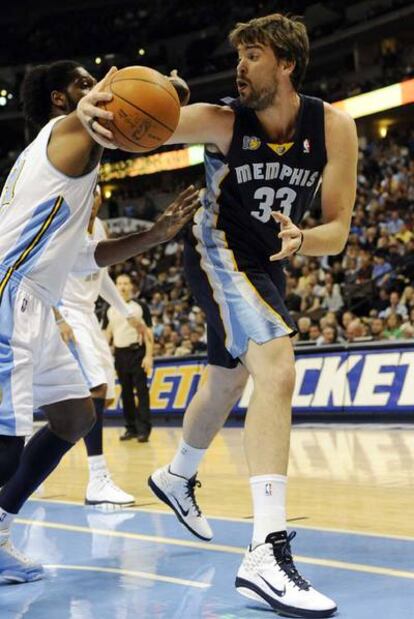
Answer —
(81, 292)
(43, 218)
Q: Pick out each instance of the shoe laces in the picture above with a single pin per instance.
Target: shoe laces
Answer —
(190, 487)
(15, 553)
(283, 556)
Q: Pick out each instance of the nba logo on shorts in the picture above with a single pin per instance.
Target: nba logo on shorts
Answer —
(268, 489)
(24, 305)
(306, 146)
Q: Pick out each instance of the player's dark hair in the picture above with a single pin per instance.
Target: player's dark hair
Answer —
(37, 86)
(287, 37)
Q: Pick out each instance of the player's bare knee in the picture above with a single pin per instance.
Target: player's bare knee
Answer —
(99, 391)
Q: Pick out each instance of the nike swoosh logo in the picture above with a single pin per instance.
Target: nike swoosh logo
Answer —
(183, 511)
(279, 593)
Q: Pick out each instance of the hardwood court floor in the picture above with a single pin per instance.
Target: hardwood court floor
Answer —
(349, 478)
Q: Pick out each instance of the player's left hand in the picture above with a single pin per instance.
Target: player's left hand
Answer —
(176, 215)
(147, 364)
(182, 88)
(290, 235)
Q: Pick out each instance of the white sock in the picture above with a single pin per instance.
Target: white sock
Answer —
(97, 466)
(6, 520)
(186, 460)
(269, 505)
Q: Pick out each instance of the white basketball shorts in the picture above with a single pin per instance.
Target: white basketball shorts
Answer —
(91, 349)
(36, 366)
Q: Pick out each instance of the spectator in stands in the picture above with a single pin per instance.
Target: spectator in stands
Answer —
(304, 324)
(395, 307)
(310, 302)
(382, 268)
(356, 331)
(395, 223)
(292, 298)
(393, 329)
(331, 296)
(329, 336)
(314, 333)
(377, 329)
(407, 328)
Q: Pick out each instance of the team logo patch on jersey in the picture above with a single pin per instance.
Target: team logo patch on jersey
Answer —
(251, 142)
(280, 149)
(306, 146)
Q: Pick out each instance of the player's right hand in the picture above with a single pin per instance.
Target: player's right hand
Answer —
(66, 332)
(89, 112)
(176, 215)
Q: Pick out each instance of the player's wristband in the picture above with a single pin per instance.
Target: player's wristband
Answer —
(60, 321)
(301, 242)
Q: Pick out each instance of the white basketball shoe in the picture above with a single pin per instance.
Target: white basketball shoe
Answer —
(102, 490)
(268, 574)
(15, 567)
(179, 494)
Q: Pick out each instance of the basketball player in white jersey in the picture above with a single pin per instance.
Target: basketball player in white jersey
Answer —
(80, 329)
(44, 209)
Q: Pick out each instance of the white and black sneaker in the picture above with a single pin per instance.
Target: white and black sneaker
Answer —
(102, 490)
(268, 574)
(179, 494)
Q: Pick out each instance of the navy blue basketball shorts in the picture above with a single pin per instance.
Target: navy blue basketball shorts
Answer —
(240, 305)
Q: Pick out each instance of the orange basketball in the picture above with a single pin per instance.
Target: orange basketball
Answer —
(145, 106)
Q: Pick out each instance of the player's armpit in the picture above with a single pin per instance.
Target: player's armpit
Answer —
(203, 123)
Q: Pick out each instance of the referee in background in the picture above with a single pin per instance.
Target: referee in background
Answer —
(133, 361)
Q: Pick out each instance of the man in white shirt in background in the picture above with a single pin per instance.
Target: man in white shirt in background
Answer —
(133, 361)
(80, 329)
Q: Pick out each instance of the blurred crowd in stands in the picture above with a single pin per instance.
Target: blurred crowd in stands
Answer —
(364, 294)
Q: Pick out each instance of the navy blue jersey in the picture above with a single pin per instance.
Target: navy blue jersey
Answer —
(233, 234)
(257, 177)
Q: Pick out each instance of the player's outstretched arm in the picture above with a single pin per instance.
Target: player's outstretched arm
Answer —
(165, 228)
(77, 141)
(204, 123)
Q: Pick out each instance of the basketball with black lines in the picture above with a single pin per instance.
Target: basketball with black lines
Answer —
(145, 106)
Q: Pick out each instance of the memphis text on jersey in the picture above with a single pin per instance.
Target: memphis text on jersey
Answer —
(274, 170)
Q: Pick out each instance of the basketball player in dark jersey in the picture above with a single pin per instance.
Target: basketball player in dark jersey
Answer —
(266, 156)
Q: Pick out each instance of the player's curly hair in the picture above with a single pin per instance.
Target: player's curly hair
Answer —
(37, 86)
(287, 37)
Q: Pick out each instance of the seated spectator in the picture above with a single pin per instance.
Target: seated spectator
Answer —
(304, 324)
(377, 329)
(356, 331)
(185, 348)
(381, 270)
(331, 297)
(329, 336)
(197, 345)
(314, 333)
(292, 298)
(393, 329)
(310, 301)
(395, 307)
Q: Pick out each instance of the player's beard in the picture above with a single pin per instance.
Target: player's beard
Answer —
(72, 103)
(260, 99)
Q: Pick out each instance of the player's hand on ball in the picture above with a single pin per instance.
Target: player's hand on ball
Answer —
(290, 235)
(176, 215)
(89, 112)
(66, 332)
(182, 88)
